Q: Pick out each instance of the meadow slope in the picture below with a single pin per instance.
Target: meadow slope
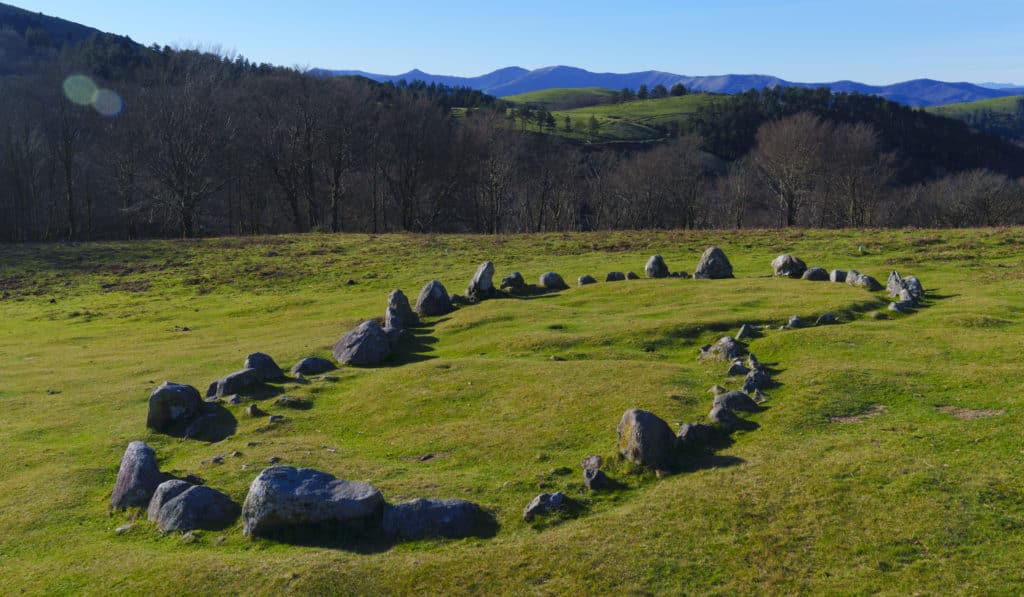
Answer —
(913, 500)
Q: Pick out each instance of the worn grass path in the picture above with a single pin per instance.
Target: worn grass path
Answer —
(914, 499)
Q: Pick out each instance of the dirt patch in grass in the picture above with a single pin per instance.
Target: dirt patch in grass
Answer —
(969, 414)
(875, 411)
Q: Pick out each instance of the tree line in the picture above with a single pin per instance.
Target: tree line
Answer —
(213, 145)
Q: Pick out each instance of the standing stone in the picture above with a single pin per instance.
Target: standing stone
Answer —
(265, 367)
(656, 267)
(713, 265)
(595, 479)
(513, 282)
(737, 368)
(645, 439)
(172, 404)
(787, 265)
(424, 518)
(284, 497)
(365, 346)
(816, 274)
(913, 286)
(433, 300)
(746, 332)
(552, 281)
(399, 314)
(137, 478)
(837, 275)
(482, 285)
(586, 280)
(894, 284)
(615, 277)
(757, 379)
(312, 366)
(181, 506)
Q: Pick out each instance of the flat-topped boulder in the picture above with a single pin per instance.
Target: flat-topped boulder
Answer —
(399, 314)
(787, 265)
(172, 405)
(552, 281)
(137, 477)
(816, 274)
(424, 518)
(656, 267)
(181, 506)
(855, 278)
(615, 277)
(365, 346)
(265, 366)
(586, 280)
(434, 300)
(313, 366)
(645, 439)
(713, 265)
(736, 401)
(481, 287)
(234, 383)
(284, 498)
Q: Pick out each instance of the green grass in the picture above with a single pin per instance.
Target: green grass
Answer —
(556, 98)
(638, 120)
(910, 501)
(999, 105)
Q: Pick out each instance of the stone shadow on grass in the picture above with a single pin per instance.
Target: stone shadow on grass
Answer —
(415, 346)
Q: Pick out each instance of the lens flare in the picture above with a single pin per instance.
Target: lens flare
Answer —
(80, 89)
(107, 102)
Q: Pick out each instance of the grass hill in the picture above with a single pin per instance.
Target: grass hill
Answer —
(999, 105)
(1003, 116)
(564, 99)
(886, 461)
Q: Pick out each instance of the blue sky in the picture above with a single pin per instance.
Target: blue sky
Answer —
(801, 40)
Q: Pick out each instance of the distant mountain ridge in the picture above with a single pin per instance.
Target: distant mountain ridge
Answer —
(516, 80)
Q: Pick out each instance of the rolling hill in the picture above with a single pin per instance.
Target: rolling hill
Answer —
(516, 80)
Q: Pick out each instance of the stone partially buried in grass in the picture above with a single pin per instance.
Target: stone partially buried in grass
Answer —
(543, 504)
(313, 366)
(645, 439)
(481, 287)
(285, 499)
(426, 518)
(137, 477)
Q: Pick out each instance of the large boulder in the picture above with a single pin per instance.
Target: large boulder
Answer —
(234, 383)
(313, 366)
(816, 274)
(172, 405)
(423, 518)
(365, 346)
(645, 439)
(787, 265)
(552, 281)
(913, 286)
(284, 498)
(713, 265)
(514, 283)
(656, 267)
(181, 506)
(736, 401)
(482, 285)
(137, 478)
(434, 300)
(399, 313)
(837, 275)
(264, 365)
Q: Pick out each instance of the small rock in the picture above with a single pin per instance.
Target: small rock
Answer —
(233, 399)
(759, 397)
(350, 282)
(794, 323)
(274, 459)
(745, 332)
(757, 379)
(595, 479)
(544, 504)
(586, 280)
(123, 528)
(591, 462)
(254, 411)
(217, 460)
(615, 277)
(236, 454)
(189, 538)
(737, 368)
(632, 276)
(313, 366)
(656, 267)
(514, 283)
(292, 402)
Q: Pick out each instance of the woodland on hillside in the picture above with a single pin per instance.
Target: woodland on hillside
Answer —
(213, 145)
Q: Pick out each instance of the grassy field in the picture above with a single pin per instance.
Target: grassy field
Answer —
(557, 98)
(926, 497)
(1000, 105)
(638, 120)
